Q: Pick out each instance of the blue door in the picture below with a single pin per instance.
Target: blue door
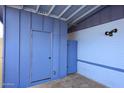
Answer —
(41, 56)
(72, 56)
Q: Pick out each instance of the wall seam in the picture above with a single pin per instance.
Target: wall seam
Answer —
(19, 44)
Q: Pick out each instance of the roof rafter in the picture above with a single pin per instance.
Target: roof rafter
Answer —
(75, 12)
(64, 11)
(51, 9)
(37, 8)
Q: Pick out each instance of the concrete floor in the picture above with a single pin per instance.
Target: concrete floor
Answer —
(71, 81)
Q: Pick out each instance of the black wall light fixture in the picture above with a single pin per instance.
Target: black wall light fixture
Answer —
(111, 32)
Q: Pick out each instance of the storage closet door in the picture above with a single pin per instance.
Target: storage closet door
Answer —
(41, 56)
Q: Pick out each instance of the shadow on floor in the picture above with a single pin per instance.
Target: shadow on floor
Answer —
(71, 81)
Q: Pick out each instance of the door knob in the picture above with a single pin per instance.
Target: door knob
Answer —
(49, 57)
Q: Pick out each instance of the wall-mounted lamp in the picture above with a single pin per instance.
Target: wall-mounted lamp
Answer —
(111, 32)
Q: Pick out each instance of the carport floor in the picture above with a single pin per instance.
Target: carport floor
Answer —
(71, 81)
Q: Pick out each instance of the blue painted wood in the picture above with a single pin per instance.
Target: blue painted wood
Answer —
(63, 49)
(41, 51)
(25, 48)
(72, 56)
(37, 22)
(34, 38)
(48, 24)
(26, 77)
(55, 47)
(11, 65)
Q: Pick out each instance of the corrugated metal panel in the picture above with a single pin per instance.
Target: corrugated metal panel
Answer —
(71, 10)
(33, 7)
(58, 9)
(44, 8)
(61, 12)
(81, 12)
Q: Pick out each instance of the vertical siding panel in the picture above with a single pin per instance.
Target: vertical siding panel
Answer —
(25, 49)
(37, 22)
(12, 48)
(19, 24)
(56, 42)
(47, 24)
(63, 49)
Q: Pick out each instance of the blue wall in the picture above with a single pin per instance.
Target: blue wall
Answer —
(19, 25)
(101, 57)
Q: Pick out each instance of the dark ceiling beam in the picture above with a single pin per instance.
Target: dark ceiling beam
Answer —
(80, 17)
